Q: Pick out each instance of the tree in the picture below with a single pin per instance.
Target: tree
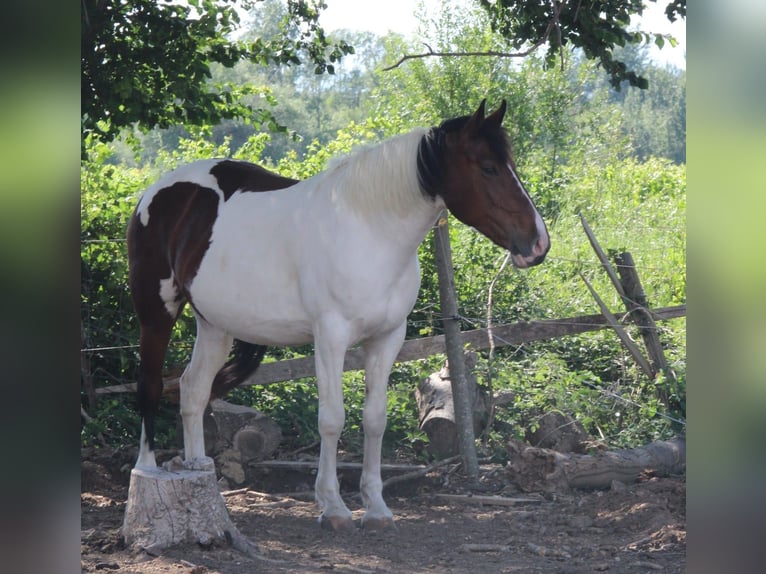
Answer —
(148, 63)
(595, 26)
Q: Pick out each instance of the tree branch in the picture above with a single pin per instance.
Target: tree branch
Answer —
(554, 23)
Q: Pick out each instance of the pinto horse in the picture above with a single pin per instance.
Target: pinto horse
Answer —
(265, 260)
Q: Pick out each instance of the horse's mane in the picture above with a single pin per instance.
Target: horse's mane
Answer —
(397, 174)
(378, 178)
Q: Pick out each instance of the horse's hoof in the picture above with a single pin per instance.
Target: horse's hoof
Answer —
(337, 523)
(384, 523)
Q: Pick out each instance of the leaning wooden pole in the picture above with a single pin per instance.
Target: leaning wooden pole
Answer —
(637, 305)
(454, 345)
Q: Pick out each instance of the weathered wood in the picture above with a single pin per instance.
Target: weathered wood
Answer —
(637, 305)
(602, 258)
(309, 465)
(168, 508)
(538, 469)
(559, 432)
(461, 398)
(436, 411)
(484, 548)
(414, 349)
(419, 472)
(621, 332)
(255, 435)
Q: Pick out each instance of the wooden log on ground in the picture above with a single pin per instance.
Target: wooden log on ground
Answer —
(538, 469)
(436, 411)
(236, 436)
(172, 508)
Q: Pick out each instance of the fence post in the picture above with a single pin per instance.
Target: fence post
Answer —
(637, 305)
(454, 345)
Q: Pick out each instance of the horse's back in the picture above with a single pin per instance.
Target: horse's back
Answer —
(171, 227)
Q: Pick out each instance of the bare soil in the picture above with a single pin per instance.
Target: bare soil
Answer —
(637, 528)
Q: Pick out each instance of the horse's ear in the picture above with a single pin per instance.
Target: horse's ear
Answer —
(474, 123)
(496, 117)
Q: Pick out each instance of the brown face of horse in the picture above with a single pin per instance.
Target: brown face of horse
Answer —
(481, 187)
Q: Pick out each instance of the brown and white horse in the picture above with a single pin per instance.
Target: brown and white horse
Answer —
(269, 261)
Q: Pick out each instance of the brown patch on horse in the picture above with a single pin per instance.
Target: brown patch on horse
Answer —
(243, 176)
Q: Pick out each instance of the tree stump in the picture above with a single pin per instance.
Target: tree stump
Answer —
(170, 508)
(436, 410)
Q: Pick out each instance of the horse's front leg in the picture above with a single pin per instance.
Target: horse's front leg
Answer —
(331, 342)
(380, 355)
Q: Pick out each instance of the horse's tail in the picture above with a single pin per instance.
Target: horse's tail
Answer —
(245, 359)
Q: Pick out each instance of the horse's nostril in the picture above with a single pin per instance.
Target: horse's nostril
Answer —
(540, 247)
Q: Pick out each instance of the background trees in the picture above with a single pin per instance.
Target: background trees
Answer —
(149, 63)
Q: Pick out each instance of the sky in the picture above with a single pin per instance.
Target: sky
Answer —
(383, 16)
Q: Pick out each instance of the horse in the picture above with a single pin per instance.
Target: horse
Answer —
(264, 260)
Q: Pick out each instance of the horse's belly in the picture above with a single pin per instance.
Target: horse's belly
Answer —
(263, 308)
(258, 325)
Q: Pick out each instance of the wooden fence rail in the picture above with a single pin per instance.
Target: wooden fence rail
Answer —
(504, 335)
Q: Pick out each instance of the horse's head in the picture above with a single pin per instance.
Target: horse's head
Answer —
(467, 161)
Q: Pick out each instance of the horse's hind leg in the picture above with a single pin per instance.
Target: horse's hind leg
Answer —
(153, 344)
(211, 349)
(157, 304)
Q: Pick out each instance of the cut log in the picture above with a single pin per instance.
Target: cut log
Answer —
(171, 508)
(255, 435)
(539, 469)
(436, 410)
(238, 436)
(559, 432)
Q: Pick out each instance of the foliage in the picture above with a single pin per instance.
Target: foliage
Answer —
(149, 63)
(595, 26)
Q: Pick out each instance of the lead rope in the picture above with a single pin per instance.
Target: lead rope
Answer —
(490, 334)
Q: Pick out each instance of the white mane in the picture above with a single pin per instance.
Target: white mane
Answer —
(379, 177)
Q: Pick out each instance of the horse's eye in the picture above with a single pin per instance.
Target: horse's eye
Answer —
(490, 170)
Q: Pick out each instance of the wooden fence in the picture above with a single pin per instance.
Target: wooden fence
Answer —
(413, 349)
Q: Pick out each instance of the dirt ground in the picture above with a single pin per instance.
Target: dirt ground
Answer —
(633, 528)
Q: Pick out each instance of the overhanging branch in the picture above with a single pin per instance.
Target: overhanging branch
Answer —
(554, 23)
